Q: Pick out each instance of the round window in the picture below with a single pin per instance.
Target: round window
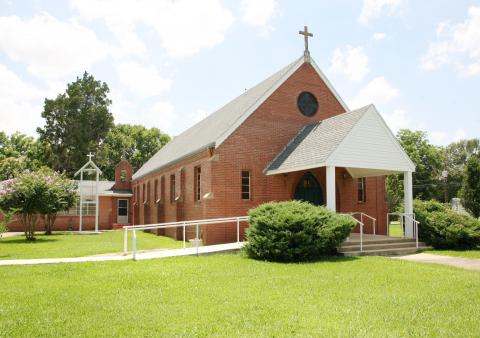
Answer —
(307, 104)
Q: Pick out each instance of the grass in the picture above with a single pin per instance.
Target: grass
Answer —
(475, 253)
(75, 245)
(229, 295)
(395, 230)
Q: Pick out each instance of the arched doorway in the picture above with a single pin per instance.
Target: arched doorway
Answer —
(308, 189)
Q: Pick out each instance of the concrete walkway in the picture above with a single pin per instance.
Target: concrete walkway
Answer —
(465, 263)
(11, 234)
(150, 254)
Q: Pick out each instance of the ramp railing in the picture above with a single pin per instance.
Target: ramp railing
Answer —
(181, 224)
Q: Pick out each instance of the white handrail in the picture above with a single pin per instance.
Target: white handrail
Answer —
(183, 224)
(403, 218)
(361, 225)
(374, 220)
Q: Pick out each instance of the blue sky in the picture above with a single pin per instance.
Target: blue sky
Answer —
(170, 63)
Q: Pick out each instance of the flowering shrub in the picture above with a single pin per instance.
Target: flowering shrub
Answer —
(37, 193)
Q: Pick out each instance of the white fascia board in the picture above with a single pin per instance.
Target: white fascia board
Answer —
(259, 102)
(299, 168)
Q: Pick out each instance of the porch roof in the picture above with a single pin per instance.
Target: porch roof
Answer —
(358, 140)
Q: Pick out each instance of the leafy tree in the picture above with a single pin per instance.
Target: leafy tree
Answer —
(456, 156)
(32, 194)
(429, 165)
(19, 152)
(134, 143)
(471, 186)
(76, 122)
(60, 196)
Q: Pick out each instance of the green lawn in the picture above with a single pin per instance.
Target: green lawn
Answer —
(395, 229)
(231, 296)
(75, 245)
(456, 253)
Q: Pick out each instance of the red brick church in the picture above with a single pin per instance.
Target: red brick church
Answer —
(289, 137)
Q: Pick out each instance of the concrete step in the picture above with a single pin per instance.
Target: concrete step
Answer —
(379, 246)
(385, 252)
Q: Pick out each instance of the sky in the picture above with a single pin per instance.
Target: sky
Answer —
(170, 63)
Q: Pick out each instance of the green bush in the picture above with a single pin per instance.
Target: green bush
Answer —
(444, 228)
(295, 231)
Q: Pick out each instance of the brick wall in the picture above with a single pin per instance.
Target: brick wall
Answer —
(107, 216)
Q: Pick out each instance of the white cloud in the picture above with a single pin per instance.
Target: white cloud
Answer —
(184, 26)
(444, 138)
(161, 115)
(51, 49)
(379, 36)
(378, 91)
(20, 103)
(457, 45)
(142, 80)
(397, 119)
(372, 9)
(350, 61)
(438, 137)
(259, 13)
(460, 134)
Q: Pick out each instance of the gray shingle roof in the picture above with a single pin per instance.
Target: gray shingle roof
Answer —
(207, 132)
(315, 142)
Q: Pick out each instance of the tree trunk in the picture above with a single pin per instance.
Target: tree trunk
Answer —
(30, 222)
(49, 222)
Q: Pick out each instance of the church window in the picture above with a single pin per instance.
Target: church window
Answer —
(144, 193)
(155, 192)
(246, 185)
(307, 104)
(197, 183)
(361, 190)
(172, 188)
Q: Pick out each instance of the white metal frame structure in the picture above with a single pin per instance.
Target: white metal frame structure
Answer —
(88, 168)
(183, 224)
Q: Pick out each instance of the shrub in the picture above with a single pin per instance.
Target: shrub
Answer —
(295, 231)
(444, 228)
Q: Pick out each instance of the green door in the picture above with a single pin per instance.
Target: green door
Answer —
(309, 190)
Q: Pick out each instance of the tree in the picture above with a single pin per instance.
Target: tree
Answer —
(19, 152)
(471, 186)
(76, 122)
(60, 196)
(456, 156)
(134, 143)
(429, 165)
(32, 194)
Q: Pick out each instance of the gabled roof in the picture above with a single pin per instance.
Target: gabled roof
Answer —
(217, 127)
(358, 140)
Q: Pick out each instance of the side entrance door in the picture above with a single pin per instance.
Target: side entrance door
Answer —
(122, 211)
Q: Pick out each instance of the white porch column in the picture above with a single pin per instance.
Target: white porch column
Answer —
(331, 198)
(408, 197)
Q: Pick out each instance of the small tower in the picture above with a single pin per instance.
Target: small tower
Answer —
(123, 175)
